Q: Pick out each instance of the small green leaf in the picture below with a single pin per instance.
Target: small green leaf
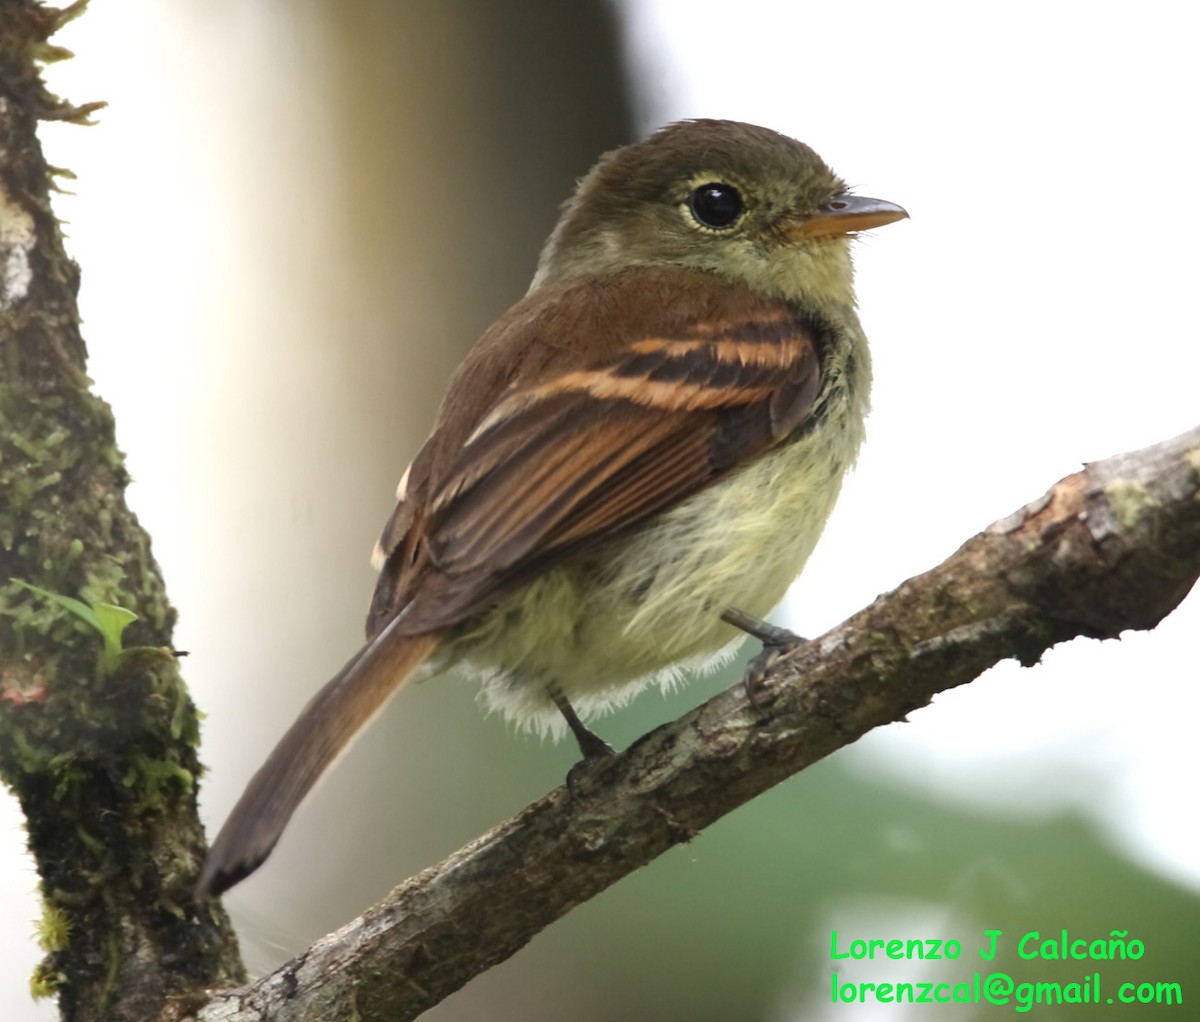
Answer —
(109, 620)
(76, 607)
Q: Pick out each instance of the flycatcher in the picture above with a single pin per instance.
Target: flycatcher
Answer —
(654, 434)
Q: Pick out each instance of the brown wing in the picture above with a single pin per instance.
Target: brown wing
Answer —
(579, 455)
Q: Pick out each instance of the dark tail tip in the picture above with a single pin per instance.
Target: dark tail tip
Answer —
(218, 875)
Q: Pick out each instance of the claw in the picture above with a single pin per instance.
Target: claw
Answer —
(775, 641)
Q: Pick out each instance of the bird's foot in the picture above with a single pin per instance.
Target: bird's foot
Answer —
(775, 641)
(595, 749)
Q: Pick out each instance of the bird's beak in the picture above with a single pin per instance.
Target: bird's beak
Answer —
(841, 215)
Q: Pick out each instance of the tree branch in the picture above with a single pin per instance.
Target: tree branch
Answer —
(1113, 547)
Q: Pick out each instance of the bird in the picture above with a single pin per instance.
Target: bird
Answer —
(646, 446)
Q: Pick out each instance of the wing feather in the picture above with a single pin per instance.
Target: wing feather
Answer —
(578, 454)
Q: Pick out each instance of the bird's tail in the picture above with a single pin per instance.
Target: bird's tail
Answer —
(332, 717)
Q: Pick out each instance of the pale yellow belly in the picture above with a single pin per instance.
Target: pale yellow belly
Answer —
(604, 626)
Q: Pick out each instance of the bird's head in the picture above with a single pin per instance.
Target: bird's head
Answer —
(734, 199)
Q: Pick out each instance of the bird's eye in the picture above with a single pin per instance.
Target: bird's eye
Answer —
(716, 205)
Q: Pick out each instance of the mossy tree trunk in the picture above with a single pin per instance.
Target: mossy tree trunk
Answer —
(97, 742)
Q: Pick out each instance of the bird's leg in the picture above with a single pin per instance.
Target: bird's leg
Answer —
(775, 641)
(594, 748)
(590, 744)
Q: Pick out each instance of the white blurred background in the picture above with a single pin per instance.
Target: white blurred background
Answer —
(294, 218)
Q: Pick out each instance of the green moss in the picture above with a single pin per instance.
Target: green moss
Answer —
(53, 929)
(54, 935)
(1192, 457)
(1129, 500)
(157, 779)
(107, 775)
(45, 981)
